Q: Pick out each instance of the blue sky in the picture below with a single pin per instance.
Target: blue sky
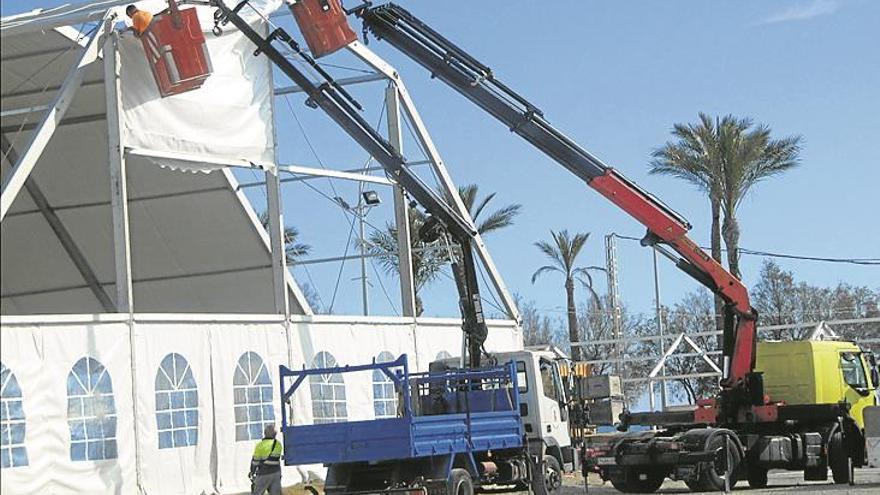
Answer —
(615, 76)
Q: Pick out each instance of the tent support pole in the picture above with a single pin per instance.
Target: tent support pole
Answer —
(276, 242)
(449, 189)
(118, 185)
(51, 118)
(401, 211)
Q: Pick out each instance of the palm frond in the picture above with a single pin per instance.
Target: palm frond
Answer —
(551, 252)
(503, 217)
(544, 269)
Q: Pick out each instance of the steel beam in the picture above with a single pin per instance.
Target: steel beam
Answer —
(118, 176)
(12, 112)
(44, 131)
(276, 241)
(336, 174)
(42, 20)
(401, 211)
(345, 81)
(80, 119)
(48, 89)
(421, 132)
(70, 246)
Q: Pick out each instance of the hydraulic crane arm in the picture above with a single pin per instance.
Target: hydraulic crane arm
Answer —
(339, 106)
(665, 227)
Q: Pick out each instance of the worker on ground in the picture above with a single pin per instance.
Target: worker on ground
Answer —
(140, 19)
(265, 471)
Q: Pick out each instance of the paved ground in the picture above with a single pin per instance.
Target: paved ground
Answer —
(781, 482)
(867, 482)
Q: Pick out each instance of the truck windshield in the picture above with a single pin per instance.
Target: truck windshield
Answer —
(853, 371)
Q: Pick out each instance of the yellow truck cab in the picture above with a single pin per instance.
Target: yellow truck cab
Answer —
(819, 372)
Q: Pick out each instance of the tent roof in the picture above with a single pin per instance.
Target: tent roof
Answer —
(196, 242)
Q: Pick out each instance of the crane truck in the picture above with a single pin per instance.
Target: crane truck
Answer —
(464, 428)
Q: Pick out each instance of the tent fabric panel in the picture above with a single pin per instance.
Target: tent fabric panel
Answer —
(182, 235)
(229, 118)
(234, 292)
(54, 302)
(30, 238)
(174, 470)
(43, 358)
(73, 168)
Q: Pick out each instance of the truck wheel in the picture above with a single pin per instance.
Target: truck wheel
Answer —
(757, 476)
(460, 483)
(549, 482)
(639, 480)
(712, 473)
(838, 458)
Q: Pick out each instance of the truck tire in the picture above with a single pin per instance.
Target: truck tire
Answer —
(712, 473)
(460, 483)
(549, 480)
(838, 459)
(757, 476)
(639, 480)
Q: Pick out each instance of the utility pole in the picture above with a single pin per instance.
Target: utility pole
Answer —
(660, 329)
(614, 296)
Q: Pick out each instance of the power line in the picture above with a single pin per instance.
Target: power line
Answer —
(853, 261)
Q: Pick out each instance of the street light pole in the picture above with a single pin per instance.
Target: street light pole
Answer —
(362, 211)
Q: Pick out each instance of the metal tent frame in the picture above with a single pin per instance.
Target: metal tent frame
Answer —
(102, 45)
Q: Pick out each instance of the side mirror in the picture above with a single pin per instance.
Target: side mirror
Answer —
(875, 377)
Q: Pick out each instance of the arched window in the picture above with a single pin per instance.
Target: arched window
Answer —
(328, 392)
(252, 393)
(442, 355)
(177, 403)
(13, 452)
(91, 412)
(384, 395)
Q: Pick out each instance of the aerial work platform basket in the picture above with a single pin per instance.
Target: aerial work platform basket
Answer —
(323, 25)
(176, 51)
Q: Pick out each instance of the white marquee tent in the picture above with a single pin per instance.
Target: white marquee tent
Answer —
(144, 310)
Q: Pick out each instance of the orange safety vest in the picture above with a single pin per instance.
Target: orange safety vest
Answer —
(141, 21)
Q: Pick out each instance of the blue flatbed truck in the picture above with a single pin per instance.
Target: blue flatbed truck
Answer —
(455, 431)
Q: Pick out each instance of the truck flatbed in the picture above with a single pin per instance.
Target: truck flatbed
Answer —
(439, 413)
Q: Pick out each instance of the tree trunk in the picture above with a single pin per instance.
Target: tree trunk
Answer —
(572, 320)
(420, 308)
(730, 230)
(715, 247)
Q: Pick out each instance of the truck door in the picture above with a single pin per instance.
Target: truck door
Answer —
(859, 390)
(553, 411)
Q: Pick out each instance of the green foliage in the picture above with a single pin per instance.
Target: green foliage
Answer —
(725, 159)
(429, 259)
(293, 249)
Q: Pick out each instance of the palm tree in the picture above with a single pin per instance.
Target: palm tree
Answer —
(724, 158)
(694, 157)
(293, 250)
(563, 253)
(428, 259)
(749, 156)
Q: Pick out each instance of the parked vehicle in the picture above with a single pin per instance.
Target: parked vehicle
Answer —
(503, 428)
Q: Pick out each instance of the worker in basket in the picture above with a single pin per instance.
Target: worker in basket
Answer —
(265, 473)
(140, 19)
